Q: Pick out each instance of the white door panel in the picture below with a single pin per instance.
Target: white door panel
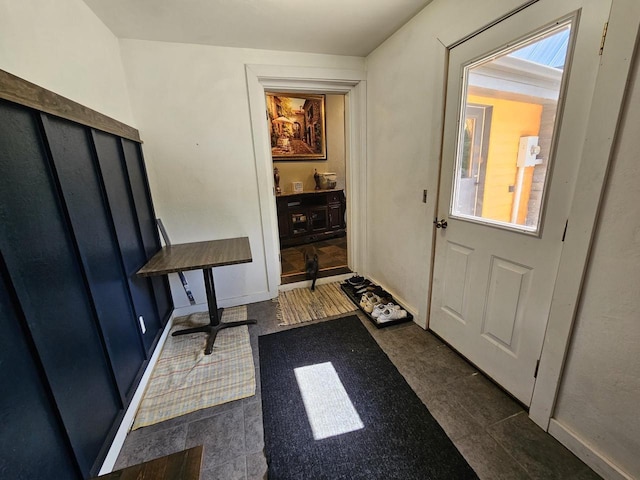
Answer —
(456, 280)
(509, 289)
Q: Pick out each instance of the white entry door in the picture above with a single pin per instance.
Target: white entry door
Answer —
(518, 98)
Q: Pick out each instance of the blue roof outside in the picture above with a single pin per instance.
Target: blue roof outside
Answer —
(550, 51)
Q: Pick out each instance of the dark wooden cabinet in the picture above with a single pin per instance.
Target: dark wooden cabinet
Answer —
(77, 223)
(310, 216)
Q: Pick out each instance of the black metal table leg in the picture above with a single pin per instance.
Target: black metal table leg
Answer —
(212, 302)
(215, 315)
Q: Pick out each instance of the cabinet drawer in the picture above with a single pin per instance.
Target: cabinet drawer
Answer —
(334, 197)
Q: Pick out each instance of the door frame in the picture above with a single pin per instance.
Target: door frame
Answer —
(607, 107)
(352, 84)
(610, 93)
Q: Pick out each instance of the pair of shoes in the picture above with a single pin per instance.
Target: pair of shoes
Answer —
(381, 292)
(366, 288)
(368, 301)
(356, 280)
(392, 314)
(381, 307)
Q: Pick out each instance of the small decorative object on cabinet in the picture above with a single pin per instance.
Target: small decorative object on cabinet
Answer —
(327, 180)
(276, 179)
(310, 216)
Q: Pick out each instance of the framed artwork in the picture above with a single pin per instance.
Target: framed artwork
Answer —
(296, 126)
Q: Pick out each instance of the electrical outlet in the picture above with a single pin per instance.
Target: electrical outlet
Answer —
(143, 327)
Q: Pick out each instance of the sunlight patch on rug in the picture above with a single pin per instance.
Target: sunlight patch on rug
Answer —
(329, 409)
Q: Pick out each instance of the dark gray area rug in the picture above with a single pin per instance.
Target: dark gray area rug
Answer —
(335, 407)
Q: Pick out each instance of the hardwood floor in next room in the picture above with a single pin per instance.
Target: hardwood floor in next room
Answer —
(332, 259)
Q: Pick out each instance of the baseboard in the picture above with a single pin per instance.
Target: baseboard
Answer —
(585, 452)
(224, 303)
(129, 416)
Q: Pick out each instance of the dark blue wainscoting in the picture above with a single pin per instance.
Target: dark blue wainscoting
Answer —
(76, 224)
(32, 443)
(43, 262)
(147, 220)
(97, 243)
(123, 212)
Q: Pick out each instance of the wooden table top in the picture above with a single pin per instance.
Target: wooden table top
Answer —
(198, 255)
(184, 465)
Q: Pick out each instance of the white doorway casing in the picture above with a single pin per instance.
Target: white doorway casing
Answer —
(352, 84)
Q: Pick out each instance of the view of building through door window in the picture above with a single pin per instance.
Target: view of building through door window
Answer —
(507, 125)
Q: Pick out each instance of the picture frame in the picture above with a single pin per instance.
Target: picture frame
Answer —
(297, 126)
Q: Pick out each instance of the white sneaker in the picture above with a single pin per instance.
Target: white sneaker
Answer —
(391, 314)
(381, 307)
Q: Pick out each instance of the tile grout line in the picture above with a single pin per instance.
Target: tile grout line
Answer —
(499, 443)
(506, 418)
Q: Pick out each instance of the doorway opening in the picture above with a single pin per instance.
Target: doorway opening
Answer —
(307, 134)
(353, 85)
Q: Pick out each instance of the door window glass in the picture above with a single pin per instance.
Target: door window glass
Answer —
(507, 124)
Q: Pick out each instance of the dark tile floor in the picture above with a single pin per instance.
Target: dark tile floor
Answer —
(332, 259)
(491, 430)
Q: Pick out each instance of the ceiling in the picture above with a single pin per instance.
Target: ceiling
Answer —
(339, 27)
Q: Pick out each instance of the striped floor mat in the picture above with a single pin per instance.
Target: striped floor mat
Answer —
(185, 379)
(302, 305)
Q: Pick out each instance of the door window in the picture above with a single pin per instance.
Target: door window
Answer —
(507, 124)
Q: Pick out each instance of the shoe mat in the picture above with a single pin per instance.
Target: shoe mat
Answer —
(351, 292)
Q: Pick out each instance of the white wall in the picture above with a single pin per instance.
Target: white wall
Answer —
(302, 170)
(600, 388)
(405, 91)
(62, 46)
(192, 110)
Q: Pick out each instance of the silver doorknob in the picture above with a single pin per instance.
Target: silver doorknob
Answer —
(440, 223)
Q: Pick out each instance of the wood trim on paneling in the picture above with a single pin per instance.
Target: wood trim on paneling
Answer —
(18, 90)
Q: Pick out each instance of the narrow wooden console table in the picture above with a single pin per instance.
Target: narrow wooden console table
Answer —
(205, 256)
